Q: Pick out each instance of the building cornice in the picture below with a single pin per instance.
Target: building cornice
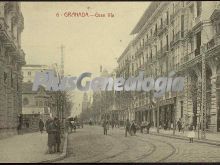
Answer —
(151, 19)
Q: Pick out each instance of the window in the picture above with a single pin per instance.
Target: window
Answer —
(199, 8)
(5, 77)
(218, 29)
(167, 44)
(25, 101)
(198, 43)
(161, 22)
(29, 73)
(167, 17)
(156, 28)
(12, 80)
(41, 103)
(150, 53)
(12, 26)
(182, 26)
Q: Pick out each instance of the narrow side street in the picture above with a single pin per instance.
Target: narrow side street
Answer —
(90, 145)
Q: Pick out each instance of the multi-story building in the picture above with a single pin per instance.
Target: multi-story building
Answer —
(29, 71)
(12, 58)
(126, 68)
(53, 103)
(173, 36)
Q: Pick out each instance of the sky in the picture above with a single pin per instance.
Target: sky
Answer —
(89, 41)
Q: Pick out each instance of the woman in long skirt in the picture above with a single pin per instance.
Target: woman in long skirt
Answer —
(191, 133)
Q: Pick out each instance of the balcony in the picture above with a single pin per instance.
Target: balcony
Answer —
(215, 41)
(197, 51)
(21, 57)
(4, 30)
(165, 50)
(190, 60)
(171, 18)
(139, 51)
(162, 28)
(179, 36)
(188, 3)
(10, 45)
(159, 54)
(171, 44)
(189, 34)
(155, 34)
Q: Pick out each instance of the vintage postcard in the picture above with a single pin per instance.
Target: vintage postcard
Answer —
(109, 81)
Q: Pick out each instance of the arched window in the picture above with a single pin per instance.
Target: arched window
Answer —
(25, 101)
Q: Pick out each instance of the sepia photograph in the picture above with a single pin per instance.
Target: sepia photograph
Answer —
(109, 81)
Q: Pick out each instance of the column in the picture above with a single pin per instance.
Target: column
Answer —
(214, 104)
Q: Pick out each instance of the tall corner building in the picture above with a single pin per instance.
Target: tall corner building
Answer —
(12, 58)
(173, 36)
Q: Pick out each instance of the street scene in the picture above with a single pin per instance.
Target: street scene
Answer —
(109, 82)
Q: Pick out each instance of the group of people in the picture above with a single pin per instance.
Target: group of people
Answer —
(191, 129)
(130, 127)
(53, 129)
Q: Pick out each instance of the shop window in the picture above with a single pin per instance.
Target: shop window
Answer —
(25, 101)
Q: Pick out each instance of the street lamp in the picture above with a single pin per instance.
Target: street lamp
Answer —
(203, 125)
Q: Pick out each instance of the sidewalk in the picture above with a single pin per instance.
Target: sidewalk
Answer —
(26, 148)
(210, 137)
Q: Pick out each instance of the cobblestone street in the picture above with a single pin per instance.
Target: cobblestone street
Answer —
(90, 145)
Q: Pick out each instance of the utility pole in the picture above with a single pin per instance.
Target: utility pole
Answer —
(62, 61)
(174, 117)
(203, 125)
(158, 116)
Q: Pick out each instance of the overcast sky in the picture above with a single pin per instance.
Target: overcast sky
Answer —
(89, 42)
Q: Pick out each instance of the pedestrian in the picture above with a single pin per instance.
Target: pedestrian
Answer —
(133, 128)
(148, 127)
(127, 127)
(51, 129)
(41, 126)
(19, 127)
(74, 125)
(105, 127)
(183, 126)
(191, 133)
(112, 124)
(57, 134)
(179, 124)
(71, 126)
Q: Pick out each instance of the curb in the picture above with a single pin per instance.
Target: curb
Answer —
(64, 152)
(185, 138)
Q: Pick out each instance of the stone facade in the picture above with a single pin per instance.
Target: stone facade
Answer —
(173, 36)
(12, 58)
